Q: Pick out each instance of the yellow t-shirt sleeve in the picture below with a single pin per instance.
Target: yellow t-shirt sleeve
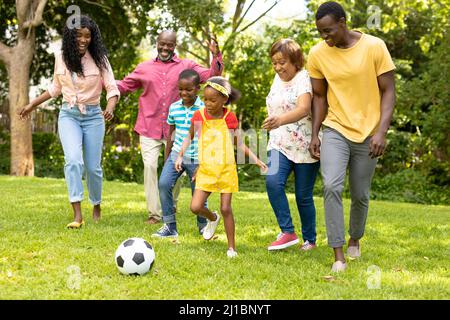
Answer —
(313, 67)
(383, 60)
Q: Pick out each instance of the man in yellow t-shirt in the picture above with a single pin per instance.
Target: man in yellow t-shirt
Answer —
(354, 94)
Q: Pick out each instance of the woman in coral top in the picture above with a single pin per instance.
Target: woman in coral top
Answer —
(81, 71)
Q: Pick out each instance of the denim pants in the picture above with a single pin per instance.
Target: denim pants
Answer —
(81, 137)
(167, 181)
(280, 168)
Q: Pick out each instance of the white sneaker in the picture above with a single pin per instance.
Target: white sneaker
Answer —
(306, 246)
(211, 227)
(338, 266)
(353, 252)
(231, 253)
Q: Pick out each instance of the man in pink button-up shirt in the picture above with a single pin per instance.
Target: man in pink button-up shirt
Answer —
(159, 80)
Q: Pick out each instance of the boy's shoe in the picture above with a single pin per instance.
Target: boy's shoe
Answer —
(338, 266)
(353, 252)
(284, 240)
(231, 253)
(165, 232)
(306, 246)
(211, 227)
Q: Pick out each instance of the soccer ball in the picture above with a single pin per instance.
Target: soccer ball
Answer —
(134, 256)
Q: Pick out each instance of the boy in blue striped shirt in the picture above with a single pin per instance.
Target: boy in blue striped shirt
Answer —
(179, 119)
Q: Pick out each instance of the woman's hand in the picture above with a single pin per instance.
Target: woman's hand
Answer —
(178, 164)
(272, 123)
(108, 113)
(25, 112)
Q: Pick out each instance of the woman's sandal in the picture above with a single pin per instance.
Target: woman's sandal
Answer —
(75, 225)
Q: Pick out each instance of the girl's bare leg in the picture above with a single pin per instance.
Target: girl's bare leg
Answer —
(198, 205)
(228, 220)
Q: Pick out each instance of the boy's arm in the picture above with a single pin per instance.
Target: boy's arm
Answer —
(169, 144)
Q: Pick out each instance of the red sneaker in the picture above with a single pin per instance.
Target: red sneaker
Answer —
(284, 240)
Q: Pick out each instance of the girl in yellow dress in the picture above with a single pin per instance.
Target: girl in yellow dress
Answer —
(217, 171)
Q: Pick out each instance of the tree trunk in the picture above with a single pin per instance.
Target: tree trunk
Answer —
(22, 163)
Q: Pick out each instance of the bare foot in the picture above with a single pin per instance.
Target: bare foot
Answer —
(96, 213)
(152, 220)
(77, 217)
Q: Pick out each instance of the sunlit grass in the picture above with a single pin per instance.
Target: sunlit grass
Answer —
(407, 244)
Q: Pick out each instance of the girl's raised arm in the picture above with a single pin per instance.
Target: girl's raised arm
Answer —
(241, 145)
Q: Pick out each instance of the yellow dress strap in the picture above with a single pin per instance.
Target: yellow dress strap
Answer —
(226, 114)
(202, 113)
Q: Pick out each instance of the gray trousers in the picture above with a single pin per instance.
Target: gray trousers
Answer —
(336, 154)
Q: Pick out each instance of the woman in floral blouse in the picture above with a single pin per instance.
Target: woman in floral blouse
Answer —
(289, 123)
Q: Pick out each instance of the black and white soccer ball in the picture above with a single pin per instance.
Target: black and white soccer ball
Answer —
(134, 256)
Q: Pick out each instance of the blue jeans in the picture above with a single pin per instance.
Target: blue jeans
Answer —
(167, 180)
(280, 168)
(81, 137)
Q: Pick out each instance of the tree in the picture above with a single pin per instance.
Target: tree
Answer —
(409, 28)
(18, 60)
(417, 36)
(425, 101)
(123, 22)
(251, 70)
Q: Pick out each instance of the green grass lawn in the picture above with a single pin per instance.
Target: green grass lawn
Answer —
(407, 245)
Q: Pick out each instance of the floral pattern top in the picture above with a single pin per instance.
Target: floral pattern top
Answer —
(292, 139)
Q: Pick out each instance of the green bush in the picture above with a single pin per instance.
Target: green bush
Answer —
(48, 155)
(409, 185)
(399, 152)
(123, 163)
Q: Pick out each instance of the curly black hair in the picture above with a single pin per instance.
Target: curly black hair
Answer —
(96, 48)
